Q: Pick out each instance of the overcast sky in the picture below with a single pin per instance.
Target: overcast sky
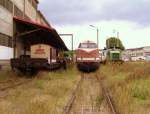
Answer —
(130, 17)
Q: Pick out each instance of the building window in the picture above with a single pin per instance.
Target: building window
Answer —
(7, 4)
(17, 12)
(133, 54)
(5, 40)
(139, 54)
(30, 1)
(2, 2)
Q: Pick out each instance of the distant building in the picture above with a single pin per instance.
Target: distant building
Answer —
(135, 54)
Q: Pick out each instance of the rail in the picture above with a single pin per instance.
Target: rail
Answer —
(73, 97)
(11, 86)
(107, 96)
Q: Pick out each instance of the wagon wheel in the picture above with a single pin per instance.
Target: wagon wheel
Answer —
(30, 71)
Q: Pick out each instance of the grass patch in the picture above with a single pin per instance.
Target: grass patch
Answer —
(141, 90)
(4, 75)
(99, 100)
(39, 84)
(46, 94)
(129, 84)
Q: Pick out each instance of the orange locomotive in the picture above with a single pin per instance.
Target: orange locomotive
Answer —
(87, 56)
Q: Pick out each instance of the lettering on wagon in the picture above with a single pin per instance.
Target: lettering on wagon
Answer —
(39, 50)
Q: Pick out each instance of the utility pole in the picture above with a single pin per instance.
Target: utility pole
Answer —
(118, 34)
(115, 31)
(97, 34)
(97, 37)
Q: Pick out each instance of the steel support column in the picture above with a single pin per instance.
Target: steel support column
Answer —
(71, 35)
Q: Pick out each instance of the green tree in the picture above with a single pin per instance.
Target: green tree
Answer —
(114, 42)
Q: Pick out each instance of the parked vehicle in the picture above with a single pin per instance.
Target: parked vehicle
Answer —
(87, 56)
(114, 55)
(42, 57)
(114, 48)
(103, 56)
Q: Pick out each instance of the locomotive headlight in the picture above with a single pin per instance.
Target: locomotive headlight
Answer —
(79, 59)
(98, 58)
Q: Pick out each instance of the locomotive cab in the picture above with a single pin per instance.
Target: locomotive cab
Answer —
(87, 56)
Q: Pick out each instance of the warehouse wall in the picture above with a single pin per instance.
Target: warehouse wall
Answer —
(6, 26)
(19, 4)
(8, 8)
(40, 20)
(30, 11)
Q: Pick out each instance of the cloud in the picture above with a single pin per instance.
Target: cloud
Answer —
(61, 12)
(135, 11)
(130, 33)
(129, 17)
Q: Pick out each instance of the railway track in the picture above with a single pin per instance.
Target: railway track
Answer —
(110, 106)
(73, 96)
(83, 97)
(7, 81)
(7, 85)
(107, 96)
(10, 84)
(13, 83)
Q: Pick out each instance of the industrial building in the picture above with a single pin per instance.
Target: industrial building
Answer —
(20, 20)
(26, 9)
(24, 29)
(135, 54)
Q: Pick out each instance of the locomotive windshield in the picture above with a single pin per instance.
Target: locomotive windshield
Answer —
(87, 45)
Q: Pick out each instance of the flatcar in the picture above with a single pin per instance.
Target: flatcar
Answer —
(87, 56)
(41, 57)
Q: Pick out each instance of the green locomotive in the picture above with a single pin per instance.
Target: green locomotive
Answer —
(114, 55)
(114, 49)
